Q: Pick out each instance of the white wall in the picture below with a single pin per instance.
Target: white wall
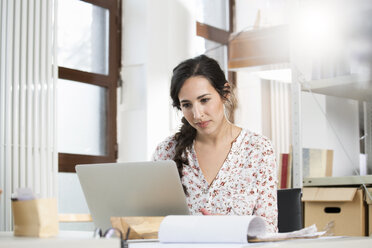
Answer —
(157, 35)
(340, 133)
(314, 121)
(343, 114)
(249, 111)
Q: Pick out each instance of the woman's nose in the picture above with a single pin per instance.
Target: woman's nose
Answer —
(197, 112)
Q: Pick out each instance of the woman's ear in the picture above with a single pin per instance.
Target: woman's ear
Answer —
(227, 89)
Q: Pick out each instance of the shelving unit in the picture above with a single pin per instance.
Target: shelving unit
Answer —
(353, 86)
(339, 51)
(258, 48)
(337, 181)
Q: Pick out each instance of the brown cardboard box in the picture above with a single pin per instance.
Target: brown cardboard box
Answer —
(344, 206)
(141, 227)
(369, 206)
(35, 218)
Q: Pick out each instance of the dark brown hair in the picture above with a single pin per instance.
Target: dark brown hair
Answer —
(199, 66)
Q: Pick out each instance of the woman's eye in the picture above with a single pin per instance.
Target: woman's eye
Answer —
(204, 100)
(186, 105)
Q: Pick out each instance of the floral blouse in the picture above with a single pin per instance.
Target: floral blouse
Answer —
(245, 184)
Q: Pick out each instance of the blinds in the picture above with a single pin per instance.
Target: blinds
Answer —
(28, 154)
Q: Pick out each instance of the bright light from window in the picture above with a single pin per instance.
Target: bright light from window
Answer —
(318, 27)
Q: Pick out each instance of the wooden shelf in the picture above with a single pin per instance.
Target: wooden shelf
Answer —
(259, 47)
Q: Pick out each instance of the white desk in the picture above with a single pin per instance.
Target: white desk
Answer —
(353, 242)
(84, 239)
(66, 239)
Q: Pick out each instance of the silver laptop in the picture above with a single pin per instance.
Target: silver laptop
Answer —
(131, 189)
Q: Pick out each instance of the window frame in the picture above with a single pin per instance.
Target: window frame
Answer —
(68, 161)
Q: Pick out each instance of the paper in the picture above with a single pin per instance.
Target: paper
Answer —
(225, 229)
(210, 228)
(307, 232)
(23, 194)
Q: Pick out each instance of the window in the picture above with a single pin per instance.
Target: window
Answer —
(88, 73)
(215, 23)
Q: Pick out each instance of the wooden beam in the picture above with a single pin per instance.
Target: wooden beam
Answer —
(259, 47)
(212, 33)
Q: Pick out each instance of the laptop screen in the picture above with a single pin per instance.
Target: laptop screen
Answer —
(131, 189)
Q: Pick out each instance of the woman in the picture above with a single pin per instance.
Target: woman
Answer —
(224, 169)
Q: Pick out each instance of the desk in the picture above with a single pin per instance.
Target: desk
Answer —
(65, 239)
(84, 239)
(353, 242)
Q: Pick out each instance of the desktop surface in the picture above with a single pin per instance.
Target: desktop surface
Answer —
(65, 239)
(75, 239)
(326, 242)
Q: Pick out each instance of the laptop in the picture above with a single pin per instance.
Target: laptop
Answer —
(131, 189)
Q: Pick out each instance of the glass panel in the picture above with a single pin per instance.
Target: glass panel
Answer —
(214, 13)
(214, 50)
(83, 35)
(81, 118)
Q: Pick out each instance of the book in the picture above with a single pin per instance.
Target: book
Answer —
(285, 171)
(223, 229)
(317, 162)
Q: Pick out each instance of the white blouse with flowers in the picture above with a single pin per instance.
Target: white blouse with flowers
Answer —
(245, 184)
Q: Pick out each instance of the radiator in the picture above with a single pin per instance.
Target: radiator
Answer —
(28, 154)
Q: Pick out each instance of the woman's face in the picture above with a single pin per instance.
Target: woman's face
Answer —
(201, 105)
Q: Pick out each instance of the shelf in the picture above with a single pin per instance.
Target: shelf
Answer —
(337, 181)
(354, 86)
(259, 47)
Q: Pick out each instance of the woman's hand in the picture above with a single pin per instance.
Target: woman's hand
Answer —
(206, 212)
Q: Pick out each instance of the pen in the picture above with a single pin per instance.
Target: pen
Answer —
(124, 243)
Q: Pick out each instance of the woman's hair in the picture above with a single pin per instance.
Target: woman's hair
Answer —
(199, 66)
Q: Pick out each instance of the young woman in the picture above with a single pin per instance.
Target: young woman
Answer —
(224, 169)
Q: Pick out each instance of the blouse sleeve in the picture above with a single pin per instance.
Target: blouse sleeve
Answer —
(266, 206)
(165, 150)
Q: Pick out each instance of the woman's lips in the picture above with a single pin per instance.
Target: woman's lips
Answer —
(203, 124)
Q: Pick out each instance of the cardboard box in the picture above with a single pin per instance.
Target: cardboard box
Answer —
(369, 210)
(142, 227)
(344, 206)
(35, 218)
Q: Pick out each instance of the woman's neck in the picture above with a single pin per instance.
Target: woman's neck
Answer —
(226, 132)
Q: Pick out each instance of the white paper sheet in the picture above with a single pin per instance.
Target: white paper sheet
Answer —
(209, 229)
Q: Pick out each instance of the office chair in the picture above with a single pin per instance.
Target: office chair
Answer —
(289, 210)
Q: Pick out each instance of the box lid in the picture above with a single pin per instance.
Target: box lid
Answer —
(328, 194)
